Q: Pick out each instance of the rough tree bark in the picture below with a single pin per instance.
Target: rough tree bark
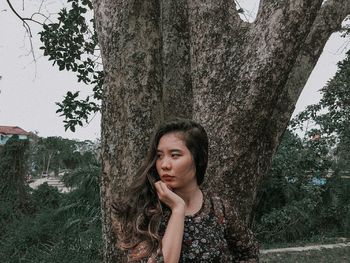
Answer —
(199, 60)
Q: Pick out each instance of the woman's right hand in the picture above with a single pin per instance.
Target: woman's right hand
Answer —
(168, 197)
(172, 239)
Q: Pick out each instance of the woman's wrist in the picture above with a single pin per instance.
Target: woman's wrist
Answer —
(179, 209)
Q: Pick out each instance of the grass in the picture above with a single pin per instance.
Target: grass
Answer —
(338, 255)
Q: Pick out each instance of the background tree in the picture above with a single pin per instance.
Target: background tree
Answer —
(307, 190)
(330, 121)
(297, 164)
(53, 154)
(13, 171)
(199, 60)
(291, 196)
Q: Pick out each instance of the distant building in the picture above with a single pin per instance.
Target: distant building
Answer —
(6, 132)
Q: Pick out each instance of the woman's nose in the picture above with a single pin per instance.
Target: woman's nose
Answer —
(165, 163)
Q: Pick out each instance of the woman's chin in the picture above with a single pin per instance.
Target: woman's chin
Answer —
(169, 185)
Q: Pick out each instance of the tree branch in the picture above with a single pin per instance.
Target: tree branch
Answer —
(26, 26)
(255, 125)
(283, 21)
(47, 18)
(275, 39)
(328, 20)
(23, 19)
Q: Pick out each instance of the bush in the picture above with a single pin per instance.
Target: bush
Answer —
(46, 196)
(292, 222)
(304, 193)
(65, 227)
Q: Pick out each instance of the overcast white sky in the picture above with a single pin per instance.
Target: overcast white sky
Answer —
(29, 90)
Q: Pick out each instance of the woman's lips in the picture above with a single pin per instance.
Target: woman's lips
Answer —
(167, 177)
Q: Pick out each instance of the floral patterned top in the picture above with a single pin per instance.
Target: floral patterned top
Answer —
(214, 234)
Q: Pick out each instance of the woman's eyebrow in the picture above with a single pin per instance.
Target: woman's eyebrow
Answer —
(175, 150)
(171, 150)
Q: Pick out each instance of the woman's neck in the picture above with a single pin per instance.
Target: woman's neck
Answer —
(193, 198)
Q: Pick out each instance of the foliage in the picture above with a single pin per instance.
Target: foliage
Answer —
(65, 227)
(302, 196)
(54, 227)
(13, 167)
(71, 43)
(335, 212)
(331, 120)
(46, 196)
(331, 116)
(307, 191)
(289, 197)
(13, 162)
(56, 153)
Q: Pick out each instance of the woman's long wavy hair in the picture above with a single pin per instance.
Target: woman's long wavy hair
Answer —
(138, 215)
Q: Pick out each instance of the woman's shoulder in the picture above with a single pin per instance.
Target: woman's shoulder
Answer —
(221, 206)
(216, 199)
(217, 203)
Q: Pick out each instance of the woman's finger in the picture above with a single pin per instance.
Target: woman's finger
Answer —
(164, 194)
(158, 187)
(161, 190)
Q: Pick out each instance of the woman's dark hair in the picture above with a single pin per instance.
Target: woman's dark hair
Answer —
(138, 215)
(195, 138)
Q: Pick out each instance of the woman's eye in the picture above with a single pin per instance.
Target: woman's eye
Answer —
(175, 155)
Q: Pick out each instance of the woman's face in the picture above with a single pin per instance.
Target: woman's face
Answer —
(175, 164)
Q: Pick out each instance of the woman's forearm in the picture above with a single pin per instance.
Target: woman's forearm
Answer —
(172, 239)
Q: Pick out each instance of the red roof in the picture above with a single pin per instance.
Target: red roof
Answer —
(8, 130)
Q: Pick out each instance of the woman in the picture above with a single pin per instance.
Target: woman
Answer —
(167, 217)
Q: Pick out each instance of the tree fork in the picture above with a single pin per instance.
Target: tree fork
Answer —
(240, 134)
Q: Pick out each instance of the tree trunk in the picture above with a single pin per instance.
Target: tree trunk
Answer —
(199, 60)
